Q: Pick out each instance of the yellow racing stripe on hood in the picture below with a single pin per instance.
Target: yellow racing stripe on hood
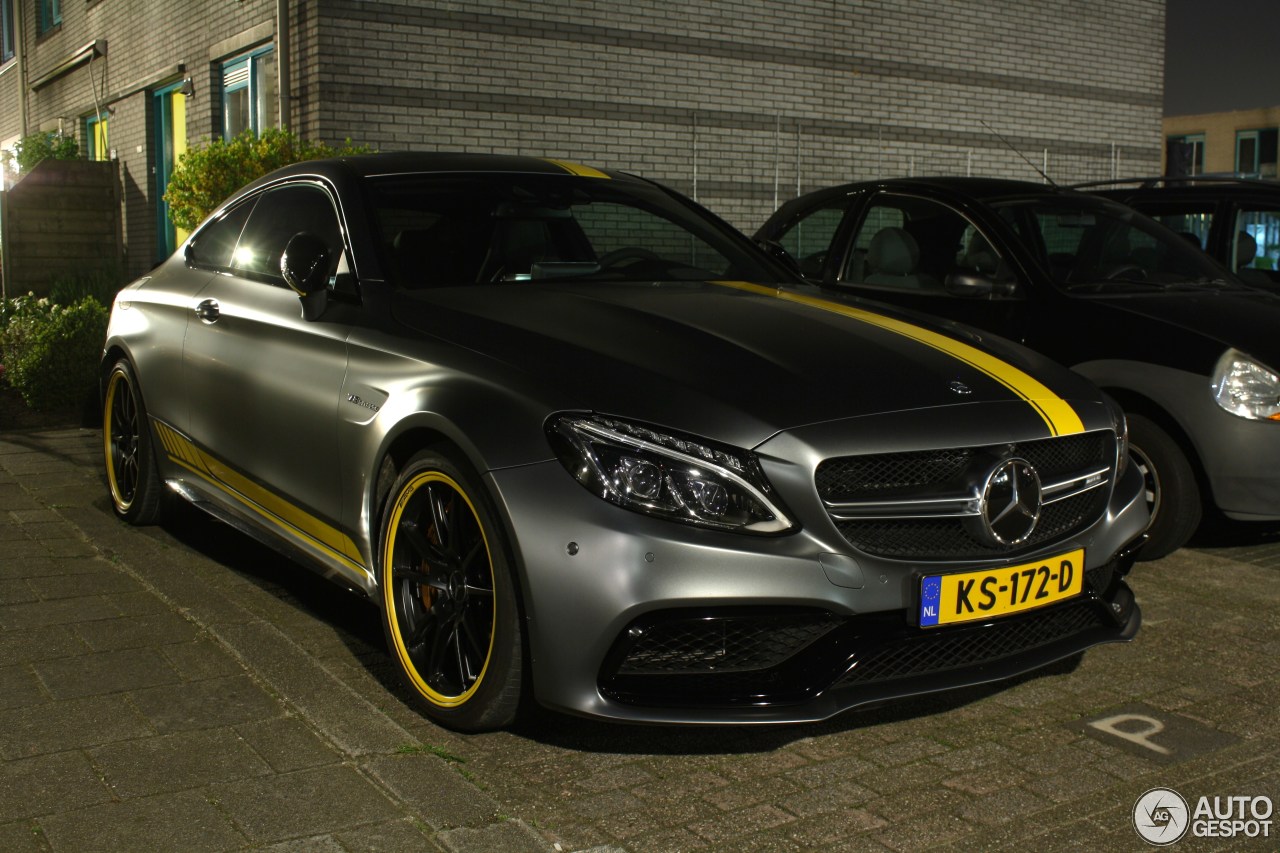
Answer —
(578, 169)
(1056, 412)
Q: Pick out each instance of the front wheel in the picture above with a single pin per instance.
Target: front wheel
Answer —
(1172, 493)
(137, 494)
(448, 597)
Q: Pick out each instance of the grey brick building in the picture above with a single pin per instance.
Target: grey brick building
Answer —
(740, 103)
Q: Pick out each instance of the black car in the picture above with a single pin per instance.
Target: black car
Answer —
(1236, 220)
(1188, 350)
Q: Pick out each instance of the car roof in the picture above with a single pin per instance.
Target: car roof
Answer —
(422, 162)
(978, 189)
(1212, 184)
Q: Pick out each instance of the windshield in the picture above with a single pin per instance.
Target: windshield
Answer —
(447, 230)
(1087, 245)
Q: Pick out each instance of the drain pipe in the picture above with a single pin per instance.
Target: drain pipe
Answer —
(282, 61)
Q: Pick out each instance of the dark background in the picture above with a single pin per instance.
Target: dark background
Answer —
(1221, 55)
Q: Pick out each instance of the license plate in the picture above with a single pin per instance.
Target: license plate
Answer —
(970, 596)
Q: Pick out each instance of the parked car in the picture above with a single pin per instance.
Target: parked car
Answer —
(1189, 351)
(1236, 220)
(580, 441)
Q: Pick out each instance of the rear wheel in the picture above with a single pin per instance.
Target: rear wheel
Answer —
(137, 494)
(1172, 493)
(448, 598)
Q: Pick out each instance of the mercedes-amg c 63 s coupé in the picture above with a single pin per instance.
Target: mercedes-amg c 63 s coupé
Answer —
(583, 443)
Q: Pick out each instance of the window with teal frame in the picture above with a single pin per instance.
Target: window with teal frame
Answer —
(6, 30)
(48, 15)
(249, 93)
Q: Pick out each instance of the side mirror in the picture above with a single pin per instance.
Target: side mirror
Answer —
(968, 284)
(305, 264)
(775, 250)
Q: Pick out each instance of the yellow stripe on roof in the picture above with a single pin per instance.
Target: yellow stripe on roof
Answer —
(578, 169)
(1056, 412)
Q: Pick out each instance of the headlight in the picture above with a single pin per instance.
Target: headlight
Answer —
(1246, 388)
(667, 475)
(1121, 425)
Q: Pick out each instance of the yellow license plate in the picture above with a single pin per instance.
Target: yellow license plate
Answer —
(970, 596)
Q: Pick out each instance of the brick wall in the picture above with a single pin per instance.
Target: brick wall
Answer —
(741, 103)
(744, 103)
(1219, 131)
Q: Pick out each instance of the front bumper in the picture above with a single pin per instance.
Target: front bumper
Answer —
(600, 582)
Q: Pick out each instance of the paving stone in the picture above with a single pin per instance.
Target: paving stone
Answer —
(104, 672)
(224, 701)
(47, 784)
(184, 822)
(323, 800)
(73, 724)
(140, 768)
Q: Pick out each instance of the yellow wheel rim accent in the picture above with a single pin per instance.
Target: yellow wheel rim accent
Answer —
(390, 589)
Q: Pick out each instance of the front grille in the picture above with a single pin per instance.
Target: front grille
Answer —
(721, 644)
(931, 653)
(908, 479)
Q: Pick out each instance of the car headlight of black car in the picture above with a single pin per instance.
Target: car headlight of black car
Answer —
(668, 475)
(1246, 388)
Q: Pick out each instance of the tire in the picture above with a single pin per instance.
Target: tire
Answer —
(449, 608)
(133, 477)
(1172, 493)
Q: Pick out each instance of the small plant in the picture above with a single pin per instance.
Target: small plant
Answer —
(211, 171)
(50, 352)
(31, 149)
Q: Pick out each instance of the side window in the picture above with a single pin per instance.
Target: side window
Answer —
(809, 238)
(278, 215)
(1257, 250)
(1189, 219)
(914, 244)
(213, 245)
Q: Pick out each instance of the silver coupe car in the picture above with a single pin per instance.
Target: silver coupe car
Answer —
(584, 444)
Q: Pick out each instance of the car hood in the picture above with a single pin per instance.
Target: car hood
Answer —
(734, 361)
(1190, 331)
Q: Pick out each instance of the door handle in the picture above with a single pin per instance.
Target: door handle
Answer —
(208, 311)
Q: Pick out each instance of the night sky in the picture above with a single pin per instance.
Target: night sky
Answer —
(1221, 55)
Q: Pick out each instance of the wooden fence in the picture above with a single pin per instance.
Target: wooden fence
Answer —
(60, 220)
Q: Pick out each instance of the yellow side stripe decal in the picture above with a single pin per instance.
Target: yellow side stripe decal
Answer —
(270, 507)
(578, 169)
(1056, 412)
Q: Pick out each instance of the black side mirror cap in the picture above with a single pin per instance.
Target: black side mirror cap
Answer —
(305, 264)
(969, 285)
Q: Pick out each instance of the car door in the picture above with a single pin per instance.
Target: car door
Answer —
(262, 382)
(921, 254)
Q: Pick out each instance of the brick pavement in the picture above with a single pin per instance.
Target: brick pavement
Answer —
(182, 688)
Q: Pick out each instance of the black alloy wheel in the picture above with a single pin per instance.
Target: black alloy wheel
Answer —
(448, 598)
(137, 495)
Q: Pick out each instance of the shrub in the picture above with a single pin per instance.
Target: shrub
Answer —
(209, 172)
(31, 149)
(102, 284)
(50, 352)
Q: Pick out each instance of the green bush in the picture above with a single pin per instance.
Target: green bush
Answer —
(102, 285)
(209, 172)
(50, 352)
(31, 149)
